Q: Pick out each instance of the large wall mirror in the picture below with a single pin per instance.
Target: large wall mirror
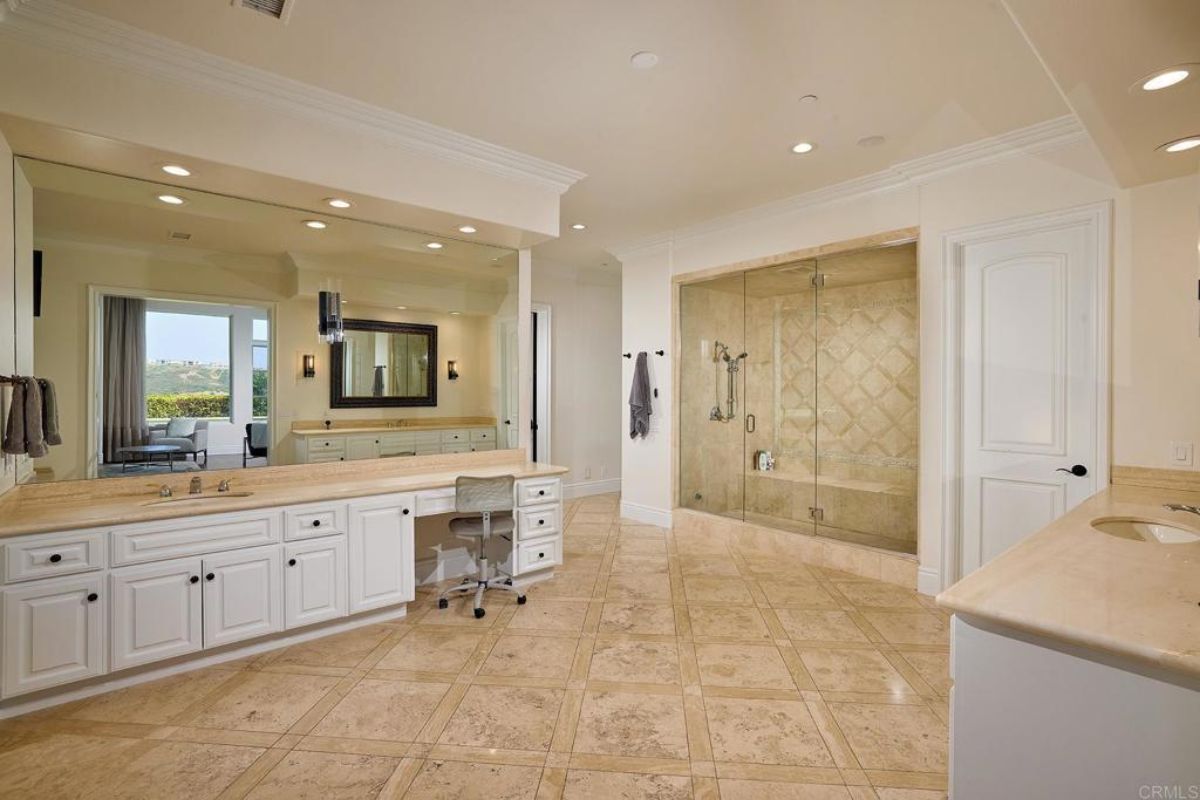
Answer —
(383, 364)
(179, 328)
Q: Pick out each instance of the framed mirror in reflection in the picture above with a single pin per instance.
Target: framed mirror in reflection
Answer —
(383, 365)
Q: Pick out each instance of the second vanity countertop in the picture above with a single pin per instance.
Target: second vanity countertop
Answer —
(73, 505)
(1072, 583)
(378, 426)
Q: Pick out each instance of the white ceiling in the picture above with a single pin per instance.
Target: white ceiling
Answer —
(705, 133)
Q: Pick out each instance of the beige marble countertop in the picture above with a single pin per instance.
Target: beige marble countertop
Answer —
(1075, 584)
(69, 505)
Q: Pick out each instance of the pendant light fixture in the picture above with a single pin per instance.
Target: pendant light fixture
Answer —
(329, 316)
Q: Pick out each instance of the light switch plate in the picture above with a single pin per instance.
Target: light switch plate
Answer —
(1182, 453)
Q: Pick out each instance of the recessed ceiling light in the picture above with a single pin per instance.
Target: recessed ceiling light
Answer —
(401, 308)
(434, 245)
(338, 202)
(1180, 145)
(455, 313)
(644, 59)
(1164, 78)
(871, 141)
(579, 226)
(171, 200)
(803, 147)
(177, 170)
(315, 224)
(466, 229)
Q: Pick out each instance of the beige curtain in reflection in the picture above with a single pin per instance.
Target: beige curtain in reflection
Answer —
(398, 374)
(124, 420)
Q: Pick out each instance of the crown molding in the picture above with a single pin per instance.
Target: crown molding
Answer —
(55, 25)
(1038, 138)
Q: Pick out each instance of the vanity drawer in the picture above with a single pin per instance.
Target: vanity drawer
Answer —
(533, 492)
(325, 458)
(480, 447)
(483, 435)
(427, 438)
(539, 553)
(538, 521)
(307, 522)
(396, 444)
(456, 447)
(331, 444)
(456, 435)
(173, 538)
(47, 555)
(435, 501)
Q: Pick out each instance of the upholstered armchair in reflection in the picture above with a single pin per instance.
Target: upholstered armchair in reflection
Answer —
(189, 435)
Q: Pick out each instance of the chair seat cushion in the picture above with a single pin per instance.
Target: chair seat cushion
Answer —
(473, 526)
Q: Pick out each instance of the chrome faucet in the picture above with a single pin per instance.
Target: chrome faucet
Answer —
(1182, 507)
(194, 487)
(223, 486)
(164, 491)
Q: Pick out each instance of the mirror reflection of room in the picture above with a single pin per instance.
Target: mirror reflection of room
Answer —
(182, 336)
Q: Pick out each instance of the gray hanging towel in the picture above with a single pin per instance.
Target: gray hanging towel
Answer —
(35, 437)
(14, 430)
(49, 412)
(377, 387)
(639, 399)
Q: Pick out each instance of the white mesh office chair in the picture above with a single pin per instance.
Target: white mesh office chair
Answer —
(483, 496)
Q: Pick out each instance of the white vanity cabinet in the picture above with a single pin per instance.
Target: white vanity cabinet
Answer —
(351, 446)
(380, 551)
(54, 632)
(538, 543)
(243, 595)
(156, 611)
(314, 581)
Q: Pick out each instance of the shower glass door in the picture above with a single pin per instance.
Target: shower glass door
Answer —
(712, 389)
(781, 396)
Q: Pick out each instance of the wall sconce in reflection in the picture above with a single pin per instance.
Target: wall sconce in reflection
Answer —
(452, 370)
(310, 365)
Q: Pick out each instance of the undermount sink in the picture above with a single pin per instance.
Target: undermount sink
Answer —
(1144, 530)
(197, 498)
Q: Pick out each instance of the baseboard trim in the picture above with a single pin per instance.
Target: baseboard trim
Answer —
(647, 515)
(587, 488)
(929, 581)
(23, 704)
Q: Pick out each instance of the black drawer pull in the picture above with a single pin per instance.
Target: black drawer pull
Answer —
(316, 523)
(54, 559)
(541, 522)
(210, 577)
(541, 492)
(541, 555)
(291, 562)
(93, 597)
(405, 512)
(194, 579)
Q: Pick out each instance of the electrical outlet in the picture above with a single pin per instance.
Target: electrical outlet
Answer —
(1182, 453)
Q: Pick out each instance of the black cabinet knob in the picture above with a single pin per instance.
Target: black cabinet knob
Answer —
(210, 577)
(316, 523)
(194, 579)
(291, 562)
(93, 597)
(541, 522)
(405, 512)
(541, 492)
(541, 555)
(54, 559)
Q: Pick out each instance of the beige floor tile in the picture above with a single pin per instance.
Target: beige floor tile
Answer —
(627, 724)
(428, 649)
(306, 775)
(797, 594)
(716, 590)
(624, 564)
(819, 626)
(61, 765)
(632, 661)
(461, 780)
(592, 785)
(375, 709)
(893, 737)
(339, 650)
(765, 732)
(652, 547)
(707, 566)
(550, 615)
(531, 657)
(910, 627)
(638, 618)
(156, 702)
(909, 794)
(176, 769)
(734, 622)
(878, 595)
(265, 702)
(743, 666)
(507, 717)
(933, 667)
(776, 790)
(853, 671)
(651, 588)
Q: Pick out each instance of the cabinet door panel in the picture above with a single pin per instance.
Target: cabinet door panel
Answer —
(53, 633)
(156, 612)
(243, 595)
(314, 580)
(382, 570)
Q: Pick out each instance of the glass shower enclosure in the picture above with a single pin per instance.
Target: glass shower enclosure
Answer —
(798, 396)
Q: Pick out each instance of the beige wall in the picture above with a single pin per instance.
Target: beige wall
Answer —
(61, 339)
(8, 346)
(586, 419)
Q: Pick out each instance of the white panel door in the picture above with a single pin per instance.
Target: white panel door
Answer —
(1030, 376)
(156, 612)
(314, 581)
(53, 633)
(382, 569)
(243, 595)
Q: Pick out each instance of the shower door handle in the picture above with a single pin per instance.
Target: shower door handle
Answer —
(751, 423)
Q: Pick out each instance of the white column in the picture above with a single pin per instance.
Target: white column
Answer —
(525, 346)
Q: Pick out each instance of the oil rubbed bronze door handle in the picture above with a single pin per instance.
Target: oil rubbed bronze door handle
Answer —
(1079, 470)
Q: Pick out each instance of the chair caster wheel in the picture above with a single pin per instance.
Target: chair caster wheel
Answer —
(508, 581)
(520, 599)
(443, 603)
(479, 612)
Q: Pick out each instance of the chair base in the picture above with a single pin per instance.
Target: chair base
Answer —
(479, 586)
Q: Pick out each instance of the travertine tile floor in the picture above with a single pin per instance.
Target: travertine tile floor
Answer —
(653, 666)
